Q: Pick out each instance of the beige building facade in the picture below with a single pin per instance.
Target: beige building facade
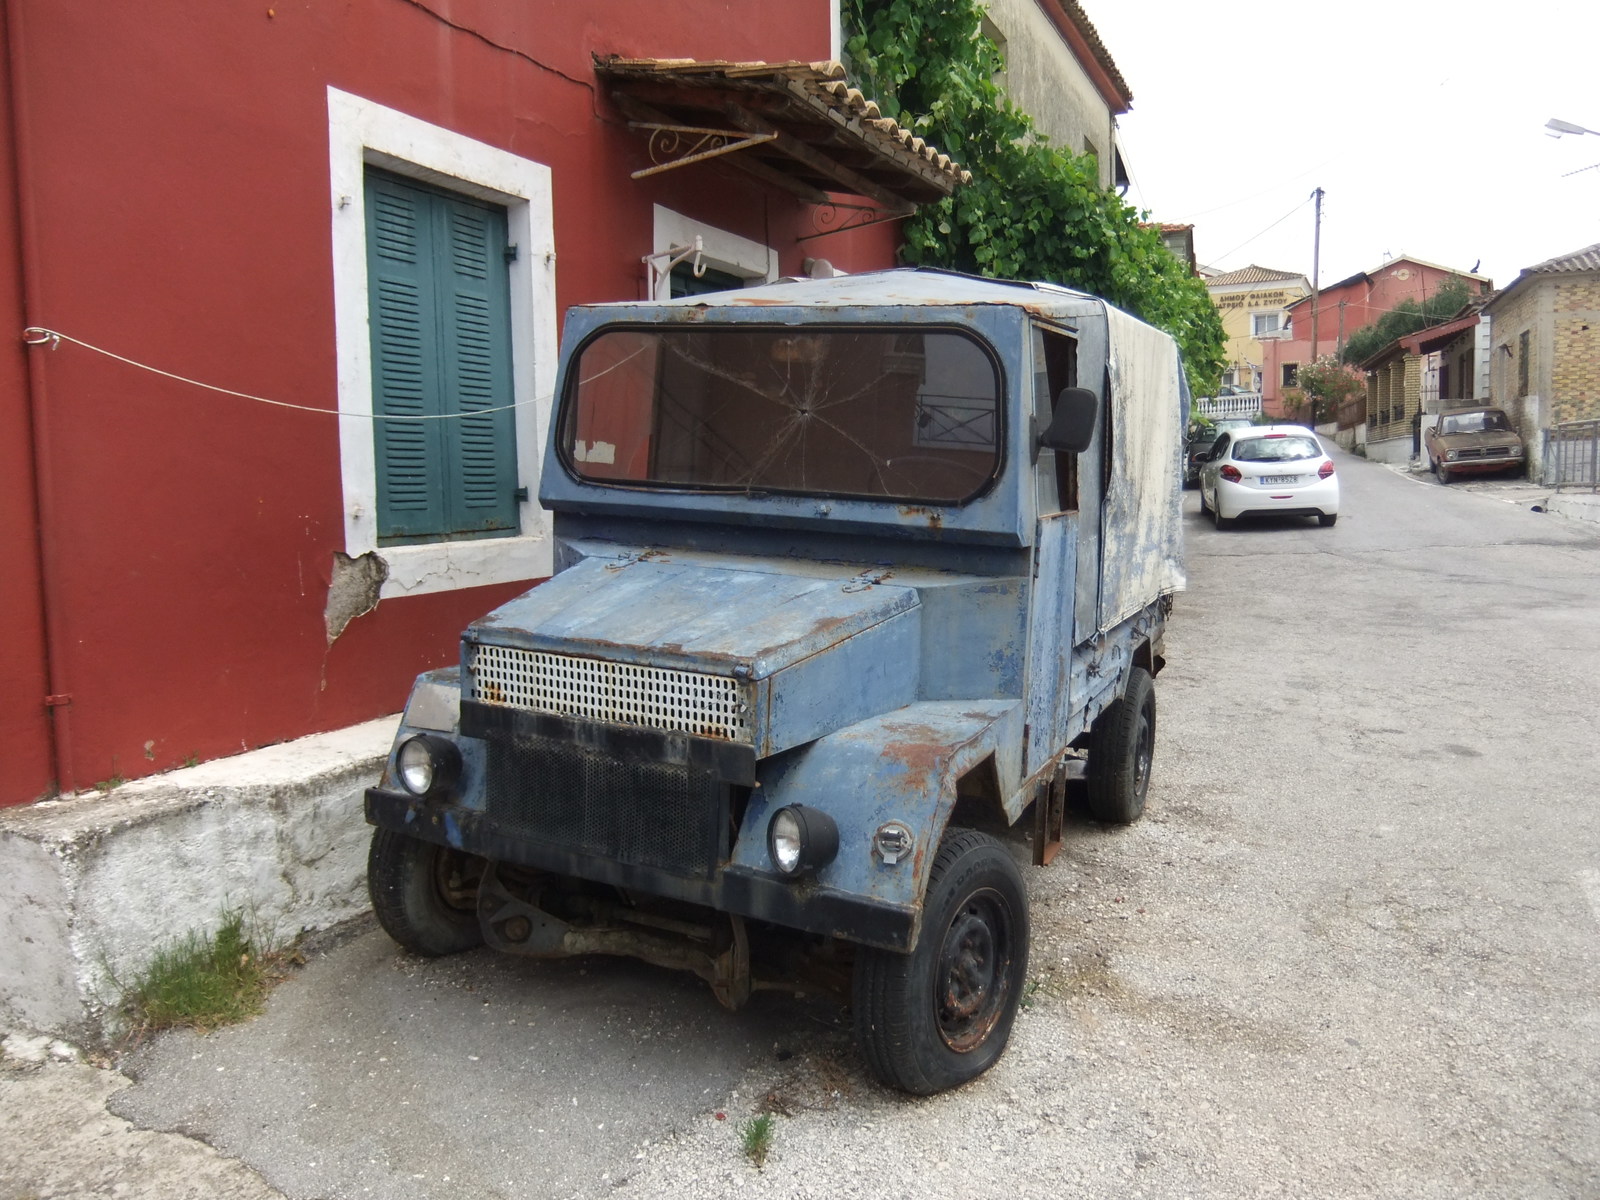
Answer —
(1060, 73)
(1253, 303)
(1545, 362)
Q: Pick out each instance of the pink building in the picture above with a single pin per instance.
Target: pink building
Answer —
(1343, 308)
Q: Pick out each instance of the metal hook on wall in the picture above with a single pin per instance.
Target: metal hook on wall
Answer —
(673, 256)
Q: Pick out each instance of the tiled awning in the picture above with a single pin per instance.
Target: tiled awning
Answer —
(1426, 341)
(798, 126)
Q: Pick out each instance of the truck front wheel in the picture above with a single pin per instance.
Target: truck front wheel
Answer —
(425, 895)
(1121, 747)
(941, 1015)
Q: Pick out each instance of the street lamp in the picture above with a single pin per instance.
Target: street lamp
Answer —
(1555, 127)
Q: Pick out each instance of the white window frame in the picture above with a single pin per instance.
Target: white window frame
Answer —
(724, 251)
(1255, 319)
(362, 133)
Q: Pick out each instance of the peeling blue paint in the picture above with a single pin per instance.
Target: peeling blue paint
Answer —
(884, 649)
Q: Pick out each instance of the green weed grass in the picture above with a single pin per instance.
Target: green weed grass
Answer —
(756, 1138)
(206, 980)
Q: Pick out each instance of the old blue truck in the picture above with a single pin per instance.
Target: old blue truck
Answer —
(859, 583)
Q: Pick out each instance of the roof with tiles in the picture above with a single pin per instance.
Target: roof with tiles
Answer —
(1587, 259)
(1097, 48)
(814, 112)
(1251, 274)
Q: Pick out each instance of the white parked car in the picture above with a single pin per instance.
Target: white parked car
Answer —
(1269, 470)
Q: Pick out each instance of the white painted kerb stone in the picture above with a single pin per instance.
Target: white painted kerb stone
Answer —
(91, 885)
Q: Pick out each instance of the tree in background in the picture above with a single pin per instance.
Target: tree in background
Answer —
(1406, 318)
(1325, 385)
(1033, 210)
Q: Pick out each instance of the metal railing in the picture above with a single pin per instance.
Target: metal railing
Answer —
(1572, 455)
(1245, 404)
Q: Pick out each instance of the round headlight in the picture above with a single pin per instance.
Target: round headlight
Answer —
(426, 764)
(801, 839)
(783, 841)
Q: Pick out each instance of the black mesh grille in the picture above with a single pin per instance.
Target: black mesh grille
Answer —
(647, 814)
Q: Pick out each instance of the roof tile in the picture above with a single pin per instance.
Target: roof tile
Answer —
(1251, 274)
(1587, 259)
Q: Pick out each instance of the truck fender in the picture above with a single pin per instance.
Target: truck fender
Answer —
(901, 766)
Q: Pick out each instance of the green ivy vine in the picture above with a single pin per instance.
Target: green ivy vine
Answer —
(1033, 210)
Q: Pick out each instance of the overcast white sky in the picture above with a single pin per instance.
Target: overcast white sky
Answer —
(1421, 120)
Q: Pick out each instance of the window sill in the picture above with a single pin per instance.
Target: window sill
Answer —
(451, 566)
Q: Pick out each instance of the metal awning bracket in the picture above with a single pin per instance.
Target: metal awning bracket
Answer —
(838, 216)
(660, 263)
(679, 145)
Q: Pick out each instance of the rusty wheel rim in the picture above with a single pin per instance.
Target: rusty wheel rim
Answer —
(974, 971)
(1143, 754)
(455, 878)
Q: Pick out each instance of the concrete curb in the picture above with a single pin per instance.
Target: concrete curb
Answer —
(1578, 506)
(1581, 506)
(92, 885)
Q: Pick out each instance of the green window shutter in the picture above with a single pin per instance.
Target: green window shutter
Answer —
(477, 368)
(441, 343)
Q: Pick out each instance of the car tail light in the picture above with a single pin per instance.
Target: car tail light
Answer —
(1230, 473)
(1325, 469)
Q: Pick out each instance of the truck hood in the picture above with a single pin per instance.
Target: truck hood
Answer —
(812, 652)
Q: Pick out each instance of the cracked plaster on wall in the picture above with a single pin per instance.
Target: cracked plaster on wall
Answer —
(354, 589)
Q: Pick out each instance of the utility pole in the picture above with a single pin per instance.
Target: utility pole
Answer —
(1316, 287)
(1316, 270)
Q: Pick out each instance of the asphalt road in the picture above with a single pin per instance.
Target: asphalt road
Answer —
(1353, 949)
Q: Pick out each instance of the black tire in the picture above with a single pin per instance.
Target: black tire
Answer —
(425, 895)
(941, 1015)
(1327, 519)
(1122, 744)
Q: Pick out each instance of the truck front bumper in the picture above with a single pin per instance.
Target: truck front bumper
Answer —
(799, 904)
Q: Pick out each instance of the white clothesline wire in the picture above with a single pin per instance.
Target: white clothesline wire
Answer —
(35, 335)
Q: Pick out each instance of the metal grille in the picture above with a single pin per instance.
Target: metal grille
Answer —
(622, 693)
(1572, 455)
(646, 814)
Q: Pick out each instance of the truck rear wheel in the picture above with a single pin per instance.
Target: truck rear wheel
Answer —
(942, 1014)
(1121, 748)
(425, 896)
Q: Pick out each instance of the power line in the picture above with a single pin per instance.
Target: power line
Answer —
(1265, 191)
(1219, 258)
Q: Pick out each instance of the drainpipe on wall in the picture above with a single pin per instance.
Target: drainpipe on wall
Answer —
(60, 698)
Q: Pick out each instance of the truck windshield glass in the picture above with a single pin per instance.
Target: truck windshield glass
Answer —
(902, 414)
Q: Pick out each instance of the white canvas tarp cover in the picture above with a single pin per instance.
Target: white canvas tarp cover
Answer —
(1142, 514)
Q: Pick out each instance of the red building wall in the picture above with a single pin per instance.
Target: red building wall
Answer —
(24, 678)
(174, 191)
(1343, 309)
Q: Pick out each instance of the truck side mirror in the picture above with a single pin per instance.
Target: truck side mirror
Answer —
(1072, 424)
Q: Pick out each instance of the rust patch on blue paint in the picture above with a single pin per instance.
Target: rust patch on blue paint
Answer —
(933, 516)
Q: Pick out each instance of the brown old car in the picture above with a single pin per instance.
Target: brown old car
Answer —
(1472, 441)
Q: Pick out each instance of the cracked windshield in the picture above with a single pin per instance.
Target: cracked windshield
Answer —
(900, 415)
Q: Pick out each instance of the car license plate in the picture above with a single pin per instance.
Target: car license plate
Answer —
(1272, 480)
